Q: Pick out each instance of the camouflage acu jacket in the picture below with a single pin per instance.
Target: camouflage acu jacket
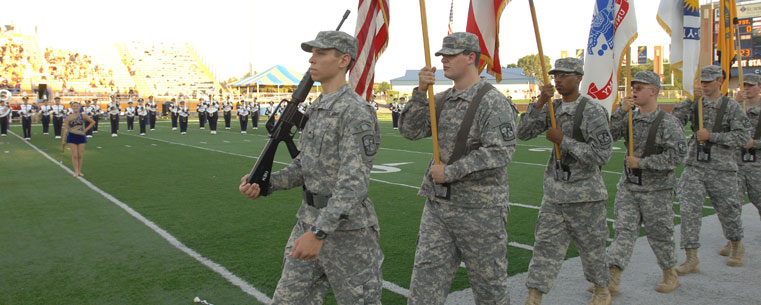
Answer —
(735, 132)
(479, 177)
(584, 159)
(670, 147)
(338, 147)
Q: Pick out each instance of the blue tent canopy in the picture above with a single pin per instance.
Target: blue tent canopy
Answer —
(275, 76)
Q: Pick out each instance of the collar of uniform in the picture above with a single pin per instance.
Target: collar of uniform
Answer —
(467, 94)
(568, 107)
(646, 117)
(326, 101)
(711, 103)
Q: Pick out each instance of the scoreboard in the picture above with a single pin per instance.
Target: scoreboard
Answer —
(749, 24)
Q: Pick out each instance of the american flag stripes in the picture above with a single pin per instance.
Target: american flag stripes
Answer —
(372, 33)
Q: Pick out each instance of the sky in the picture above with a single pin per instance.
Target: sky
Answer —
(229, 35)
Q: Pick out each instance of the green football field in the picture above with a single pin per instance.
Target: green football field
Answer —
(158, 219)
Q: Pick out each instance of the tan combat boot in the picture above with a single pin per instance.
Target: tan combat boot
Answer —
(725, 251)
(601, 296)
(534, 297)
(691, 264)
(736, 251)
(615, 280)
(670, 281)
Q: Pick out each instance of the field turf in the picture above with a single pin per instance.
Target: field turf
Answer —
(63, 242)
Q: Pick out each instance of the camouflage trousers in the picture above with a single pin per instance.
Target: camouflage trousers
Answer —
(349, 262)
(691, 192)
(654, 209)
(450, 235)
(748, 178)
(557, 225)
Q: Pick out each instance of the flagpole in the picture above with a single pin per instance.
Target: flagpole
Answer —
(739, 60)
(545, 76)
(627, 92)
(431, 97)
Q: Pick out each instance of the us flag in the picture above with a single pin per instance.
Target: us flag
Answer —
(451, 18)
(372, 33)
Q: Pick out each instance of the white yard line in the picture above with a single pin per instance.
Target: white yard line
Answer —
(229, 276)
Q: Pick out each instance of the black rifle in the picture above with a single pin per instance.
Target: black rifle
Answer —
(282, 130)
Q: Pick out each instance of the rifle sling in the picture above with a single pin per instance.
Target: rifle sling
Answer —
(467, 122)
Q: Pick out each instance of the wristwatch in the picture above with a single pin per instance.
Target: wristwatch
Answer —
(319, 234)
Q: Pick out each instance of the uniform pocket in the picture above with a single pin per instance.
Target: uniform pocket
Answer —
(364, 287)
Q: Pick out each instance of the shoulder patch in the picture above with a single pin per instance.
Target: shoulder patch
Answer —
(369, 145)
(506, 129)
(682, 146)
(603, 137)
(747, 123)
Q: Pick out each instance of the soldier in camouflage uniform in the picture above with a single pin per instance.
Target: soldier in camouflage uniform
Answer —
(710, 164)
(573, 207)
(749, 167)
(335, 242)
(646, 188)
(465, 214)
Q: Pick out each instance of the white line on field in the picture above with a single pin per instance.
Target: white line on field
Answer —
(229, 276)
(204, 148)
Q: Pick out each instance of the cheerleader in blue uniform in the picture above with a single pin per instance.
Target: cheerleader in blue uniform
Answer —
(75, 135)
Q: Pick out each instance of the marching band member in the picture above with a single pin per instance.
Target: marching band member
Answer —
(130, 112)
(113, 114)
(213, 113)
(394, 114)
(152, 112)
(25, 112)
(183, 113)
(59, 112)
(173, 111)
(142, 113)
(255, 114)
(242, 116)
(5, 111)
(96, 112)
(45, 116)
(201, 111)
(227, 107)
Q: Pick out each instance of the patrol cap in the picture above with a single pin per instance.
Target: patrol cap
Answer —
(459, 42)
(710, 73)
(568, 64)
(752, 79)
(647, 77)
(338, 40)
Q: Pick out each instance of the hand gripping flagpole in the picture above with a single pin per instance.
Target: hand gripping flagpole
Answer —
(431, 97)
(545, 76)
